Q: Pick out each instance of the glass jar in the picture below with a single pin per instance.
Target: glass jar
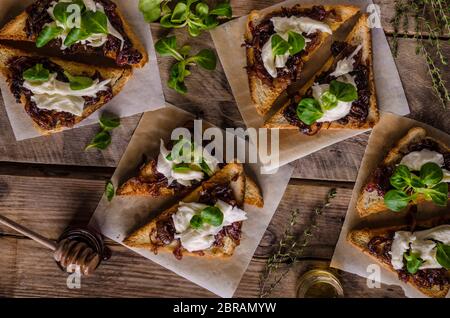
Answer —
(319, 283)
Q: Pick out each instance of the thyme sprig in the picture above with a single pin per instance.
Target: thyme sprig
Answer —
(289, 249)
(431, 17)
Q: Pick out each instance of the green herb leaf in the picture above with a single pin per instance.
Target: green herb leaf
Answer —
(168, 47)
(180, 13)
(443, 255)
(438, 194)
(431, 174)
(74, 36)
(47, 34)
(201, 9)
(212, 215)
(296, 42)
(396, 200)
(151, 9)
(182, 167)
(205, 58)
(328, 101)
(100, 141)
(36, 73)
(343, 91)
(184, 51)
(109, 190)
(176, 78)
(204, 166)
(94, 22)
(78, 82)
(108, 123)
(401, 178)
(279, 46)
(196, 222)
(413, 261)
(60, 12)
(309, 111)
(222, 10)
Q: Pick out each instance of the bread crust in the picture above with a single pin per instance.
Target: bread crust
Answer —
(360, 239)
(245, 191)
(360, 34)
(14, 30)
(263, 95)
(415, 134)
(118, 76)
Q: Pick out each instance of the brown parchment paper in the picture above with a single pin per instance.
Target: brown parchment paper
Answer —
(228, 39)
(143, 92)
(390, 129)
(116, 219)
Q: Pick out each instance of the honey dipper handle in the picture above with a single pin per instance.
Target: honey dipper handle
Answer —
(27, 232)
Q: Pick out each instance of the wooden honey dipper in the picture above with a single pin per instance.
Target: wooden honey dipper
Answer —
(66, 251)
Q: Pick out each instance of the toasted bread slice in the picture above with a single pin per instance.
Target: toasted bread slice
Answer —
(264, 94)
(146, 183)
(370, 202)
(118, 76)
(361, 238)
(360, 35)
(16, 30)
(244, 192)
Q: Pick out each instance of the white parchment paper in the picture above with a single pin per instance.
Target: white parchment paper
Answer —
(143, 92)
(118, 218)
(293, 145)
(346, 257)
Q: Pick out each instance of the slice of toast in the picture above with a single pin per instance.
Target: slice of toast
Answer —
(244, 192)
(16, 30)
(361, 238)
(146, 183)
(370, 201)
(118, 76)
(360, 35)
(264, 94)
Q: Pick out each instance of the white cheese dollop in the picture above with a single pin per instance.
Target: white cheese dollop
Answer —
(416, 159)
(421, 242)
(342, 108)
(57, 95)
(185, 177)
(282, 25)
(95, 40)
(202, 238)
(345, 65)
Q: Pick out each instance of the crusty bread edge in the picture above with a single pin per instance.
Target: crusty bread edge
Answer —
(394, 155)
(272, 93)
(14, 30)
(379, 231)
(361, 27)
(121, 76)
(251, 196)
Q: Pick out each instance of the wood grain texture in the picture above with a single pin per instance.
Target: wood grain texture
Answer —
(36, 274)
(387, 10)
(129, 275)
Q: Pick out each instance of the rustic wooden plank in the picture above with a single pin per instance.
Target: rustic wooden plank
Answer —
(387, 10)
(36, 202)
(35, 274)
(210, 97)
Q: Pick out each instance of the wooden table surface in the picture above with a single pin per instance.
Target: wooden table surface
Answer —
(50, 182)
